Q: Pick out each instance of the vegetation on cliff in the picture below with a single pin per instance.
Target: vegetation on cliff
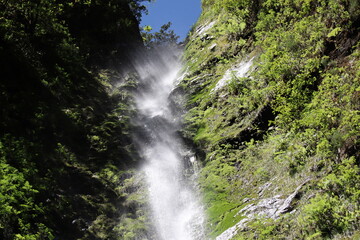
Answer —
(279, 140)
(65, 132)
(274, 96)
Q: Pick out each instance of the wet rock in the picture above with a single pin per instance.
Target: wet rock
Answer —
(212, 47)
(272, 207)
(177, 99)
(207, 37)
(238, 71)
(263, 188)
(201, 30)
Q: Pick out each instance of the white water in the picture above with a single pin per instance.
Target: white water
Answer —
(176, 210)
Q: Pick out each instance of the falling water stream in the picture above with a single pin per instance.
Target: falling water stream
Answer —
(176, 211)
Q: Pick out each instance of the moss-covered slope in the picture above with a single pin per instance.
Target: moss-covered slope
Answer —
(274, 97)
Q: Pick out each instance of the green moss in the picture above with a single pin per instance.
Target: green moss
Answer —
(225, 215)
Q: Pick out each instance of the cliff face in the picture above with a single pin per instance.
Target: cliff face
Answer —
(65, 146)
(273, 112)
(274, 96)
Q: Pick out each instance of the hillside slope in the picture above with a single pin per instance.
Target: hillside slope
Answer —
(274, 113)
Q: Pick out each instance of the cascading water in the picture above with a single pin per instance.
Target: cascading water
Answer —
(175, 208)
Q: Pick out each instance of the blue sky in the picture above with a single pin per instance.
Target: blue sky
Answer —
(182, 13)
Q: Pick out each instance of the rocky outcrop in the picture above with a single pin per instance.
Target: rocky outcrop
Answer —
(272, 207)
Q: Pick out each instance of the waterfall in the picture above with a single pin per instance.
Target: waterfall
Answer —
(176, 212)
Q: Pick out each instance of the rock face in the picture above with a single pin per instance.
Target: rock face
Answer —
(266, 208)
(238, 71)
(271, 89)
(201, 31)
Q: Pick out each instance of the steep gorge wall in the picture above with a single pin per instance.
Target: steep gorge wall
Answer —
(273, 89)
(274, 96)
(66, 151)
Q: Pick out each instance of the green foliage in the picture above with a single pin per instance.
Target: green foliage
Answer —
(323, 214)
(261, 228)
(294, 42)
(165, 36)
(344, 181)
(135, 223)
(18, 207)
(296, 117)
(63, 119)
(132, 227)
(138, 8)
(337, 208)
(235, 17)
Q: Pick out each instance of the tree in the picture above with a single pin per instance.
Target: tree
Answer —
(165, 37)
